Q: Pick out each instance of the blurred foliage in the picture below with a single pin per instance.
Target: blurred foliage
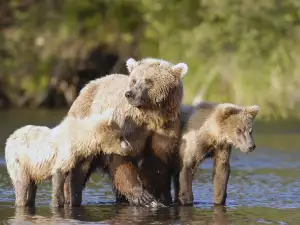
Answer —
(240, 51)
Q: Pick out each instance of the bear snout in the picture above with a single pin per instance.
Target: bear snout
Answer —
(129, 95)
(252, 147)
(248, 148)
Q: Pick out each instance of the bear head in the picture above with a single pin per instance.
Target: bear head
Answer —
(155, 83)
(235, 125)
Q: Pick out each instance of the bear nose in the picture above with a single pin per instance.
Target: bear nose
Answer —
(252, 147)
(129, 94)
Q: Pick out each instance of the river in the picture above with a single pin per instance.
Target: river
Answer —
(263, 188)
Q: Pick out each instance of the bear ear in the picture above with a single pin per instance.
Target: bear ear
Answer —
(180, 69)
(227, 109)
(131, 64)
(253, 110)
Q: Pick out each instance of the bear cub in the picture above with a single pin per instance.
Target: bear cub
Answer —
(36, 153)
(221, 126)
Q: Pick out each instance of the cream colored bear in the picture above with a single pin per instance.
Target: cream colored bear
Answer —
(209, 130)
(36, 153)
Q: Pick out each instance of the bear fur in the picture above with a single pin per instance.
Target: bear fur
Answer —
(147, 107)
(36, 153)
(210, 130)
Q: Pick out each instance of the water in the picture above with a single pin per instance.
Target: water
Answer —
(263, 188)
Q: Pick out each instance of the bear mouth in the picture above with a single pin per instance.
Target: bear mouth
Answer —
(245, 150)
(135, 103)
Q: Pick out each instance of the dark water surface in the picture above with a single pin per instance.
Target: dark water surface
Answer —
(263, 188)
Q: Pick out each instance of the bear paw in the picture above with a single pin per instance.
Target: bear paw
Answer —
(186, 199)
(186, 202)
(146, 199)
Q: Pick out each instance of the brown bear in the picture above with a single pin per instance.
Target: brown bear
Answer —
(209, 130)
(36, 153)
(147, 107)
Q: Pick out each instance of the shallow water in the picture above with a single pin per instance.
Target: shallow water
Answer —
(263, 188)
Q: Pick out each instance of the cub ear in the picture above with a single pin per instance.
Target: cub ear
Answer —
(227, 109)
(253, 110)
(131, 64)
(180, 69)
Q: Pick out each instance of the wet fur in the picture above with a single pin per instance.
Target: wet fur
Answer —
(205, 127)
(35, 153)
(153, 129)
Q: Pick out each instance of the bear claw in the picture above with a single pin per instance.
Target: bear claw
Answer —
(147, 200)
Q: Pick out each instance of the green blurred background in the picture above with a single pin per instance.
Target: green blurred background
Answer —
(240, 51)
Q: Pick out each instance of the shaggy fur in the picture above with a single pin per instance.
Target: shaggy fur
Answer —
(147, 107)
(35, 153)
(209, 130)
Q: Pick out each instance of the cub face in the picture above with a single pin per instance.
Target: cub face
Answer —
(237, 125)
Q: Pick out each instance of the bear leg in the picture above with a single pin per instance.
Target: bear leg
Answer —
(165, 195)
(67, 190)
(21, 190)
(160, 185)
(221, 174)
(77, 183)
(21, 182)
(176, 187)
(31, 193)
(126, 181)
(186, 186)
(58, 179)
(81, 173)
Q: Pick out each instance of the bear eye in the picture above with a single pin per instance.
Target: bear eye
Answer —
(148, 82)
(238, 131)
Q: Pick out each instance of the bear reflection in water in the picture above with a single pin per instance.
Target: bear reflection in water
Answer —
(113, 214)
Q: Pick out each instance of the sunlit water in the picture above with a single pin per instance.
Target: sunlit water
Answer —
(263, 188)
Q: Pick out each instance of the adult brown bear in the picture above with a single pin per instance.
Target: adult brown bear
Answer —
(147, 108)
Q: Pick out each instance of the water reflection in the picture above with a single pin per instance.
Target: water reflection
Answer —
(220, 216)
(66, 215)
(23, 215)
(120, 215)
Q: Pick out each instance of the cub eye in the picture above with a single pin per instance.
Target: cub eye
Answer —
(238, 131)
(250, 132)
(133, 81)
(148, 82)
